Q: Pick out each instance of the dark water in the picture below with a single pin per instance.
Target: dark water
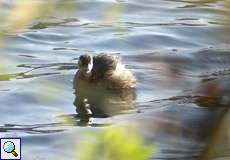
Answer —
(176, 49)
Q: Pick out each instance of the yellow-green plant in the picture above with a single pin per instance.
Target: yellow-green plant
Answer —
(23, 12)
(115, 143)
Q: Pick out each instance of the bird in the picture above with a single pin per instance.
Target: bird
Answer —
(103, 86)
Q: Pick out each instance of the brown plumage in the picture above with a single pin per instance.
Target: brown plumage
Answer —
(107, 89)
(110, 73)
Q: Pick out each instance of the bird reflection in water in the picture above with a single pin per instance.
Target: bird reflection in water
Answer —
(103, 87)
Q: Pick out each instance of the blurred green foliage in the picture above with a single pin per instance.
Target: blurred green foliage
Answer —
(23, 12)
(115, 143)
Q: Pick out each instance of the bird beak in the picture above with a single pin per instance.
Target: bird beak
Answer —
(90, 67)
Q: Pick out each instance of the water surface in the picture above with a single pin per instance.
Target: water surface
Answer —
(176, 49)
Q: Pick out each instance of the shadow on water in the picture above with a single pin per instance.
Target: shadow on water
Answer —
(57, 66)
(22, 75)
(49, 23)
(31, 129)
(35, 67)
(66, 122)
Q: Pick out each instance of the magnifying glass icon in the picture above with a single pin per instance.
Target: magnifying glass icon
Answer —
(9, 147)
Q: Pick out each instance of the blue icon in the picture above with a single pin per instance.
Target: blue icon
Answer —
(9, 147)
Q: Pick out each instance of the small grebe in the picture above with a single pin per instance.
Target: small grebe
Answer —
(103, 86)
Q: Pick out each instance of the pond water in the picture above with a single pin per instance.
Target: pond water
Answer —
(178, 50)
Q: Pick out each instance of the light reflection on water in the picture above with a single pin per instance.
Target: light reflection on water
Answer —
(173, 47)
